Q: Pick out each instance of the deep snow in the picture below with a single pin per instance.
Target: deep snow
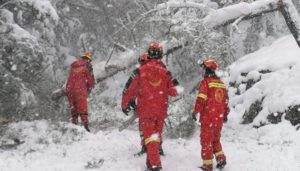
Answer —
(62, 146)
(278, 85)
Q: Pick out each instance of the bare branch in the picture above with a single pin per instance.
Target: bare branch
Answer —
(230, 14)
(111, 52)
(8, 2)
(234, 25)
(173, 49)
(165, 6)
(110, 71)
(84, 6)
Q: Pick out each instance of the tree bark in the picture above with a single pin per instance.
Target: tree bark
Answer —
(291, 17)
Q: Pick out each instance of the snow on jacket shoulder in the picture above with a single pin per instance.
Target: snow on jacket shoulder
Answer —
(151, 84)
(80, 77)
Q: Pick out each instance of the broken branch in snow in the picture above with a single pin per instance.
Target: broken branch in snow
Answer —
(110, 71)
(173, 49)
(112, 51)
(85, 6)
(230, 14)
(120, 47)
(234, 13)
(235, 24)
(8, 2)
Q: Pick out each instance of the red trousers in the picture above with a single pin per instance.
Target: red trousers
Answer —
(78, 104)
(152, 130)
(210, 142)
(142, 135)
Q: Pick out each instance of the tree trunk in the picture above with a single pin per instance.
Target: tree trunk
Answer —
(291, 17)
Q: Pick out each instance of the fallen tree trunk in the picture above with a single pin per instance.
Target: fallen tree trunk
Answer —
(243, 11)
(229, 14)
(108, 72)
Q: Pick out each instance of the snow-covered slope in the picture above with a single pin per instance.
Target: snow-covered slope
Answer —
(276, 71)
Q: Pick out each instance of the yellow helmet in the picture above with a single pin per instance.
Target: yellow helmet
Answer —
(87, 55)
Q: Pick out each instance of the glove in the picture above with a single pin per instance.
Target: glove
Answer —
(132, 105)
(194, 116)
(225, 119)
(126, 111)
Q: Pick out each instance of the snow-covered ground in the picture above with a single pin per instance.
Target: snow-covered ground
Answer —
(64, 147)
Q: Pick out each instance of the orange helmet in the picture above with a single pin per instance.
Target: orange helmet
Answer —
(209, 63)
(87, 55)
(155, 51)
(143, 58)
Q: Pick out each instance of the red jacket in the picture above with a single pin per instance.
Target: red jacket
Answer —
(212, 101)
(151, 85)
(80, 77)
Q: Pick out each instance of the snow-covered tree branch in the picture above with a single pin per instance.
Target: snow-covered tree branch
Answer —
(230, 14)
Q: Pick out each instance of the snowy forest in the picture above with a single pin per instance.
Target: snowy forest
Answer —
(255, 42)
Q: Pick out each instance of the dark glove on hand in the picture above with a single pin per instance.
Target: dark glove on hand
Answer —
(132, 105)
(225, 119)
(126, 111)
(194, 116)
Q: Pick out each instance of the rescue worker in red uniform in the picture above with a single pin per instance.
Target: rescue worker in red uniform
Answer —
(212, 104)
(79, 85)
(150, 85)
(143, 58)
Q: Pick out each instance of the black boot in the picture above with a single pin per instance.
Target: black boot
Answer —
(205, 169)
(221, 164)
(161, 151)
(86, 126)
(155, 169)
(143, 150)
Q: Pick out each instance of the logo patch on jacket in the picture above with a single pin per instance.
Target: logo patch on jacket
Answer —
(219, 95)
(155, 83)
